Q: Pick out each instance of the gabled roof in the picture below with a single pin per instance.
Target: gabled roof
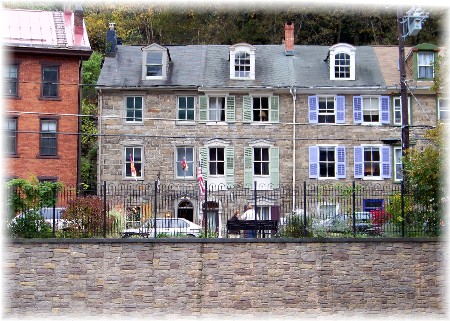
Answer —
(208, 66)
(46, 30)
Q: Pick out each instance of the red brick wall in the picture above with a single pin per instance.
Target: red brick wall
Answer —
(27, 162)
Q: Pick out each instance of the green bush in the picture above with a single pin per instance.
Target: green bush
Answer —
(30, 225)
(293, 227)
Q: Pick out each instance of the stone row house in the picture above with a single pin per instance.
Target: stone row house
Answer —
(270, 115)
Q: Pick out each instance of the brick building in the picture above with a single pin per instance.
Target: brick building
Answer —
(44, 53)
(277, 115)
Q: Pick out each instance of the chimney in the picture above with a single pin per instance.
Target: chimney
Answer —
(78, 20)
(289, 38)
(111, 40)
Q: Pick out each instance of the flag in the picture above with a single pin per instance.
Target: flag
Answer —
(133, 169)
(201, 182)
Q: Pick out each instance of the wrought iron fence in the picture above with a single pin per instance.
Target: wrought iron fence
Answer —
(363, 209)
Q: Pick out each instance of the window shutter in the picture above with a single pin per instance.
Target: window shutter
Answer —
(247, 108)
(230, 167)
(248, 167)
(313, 109)
(341, 172)
(385, 162)
(274, 109)
(357, 110)
(204, 160)
(230, 109)
(384, 109)
(203, 108)
(274, 167)
(340, 110)
(358, 157)
(313, 162)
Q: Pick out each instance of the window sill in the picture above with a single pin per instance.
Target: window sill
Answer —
(186, 123)
(11, 155)
(371, 124)
(133, 179)
(47, 157)
(263, 123)
(12, 97)
(134, 123)
(50, 98)
(216, 123)
(372, 179)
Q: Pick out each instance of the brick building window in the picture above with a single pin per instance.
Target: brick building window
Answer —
(11, 136)
(48, 137)
(11, 80)
(50, 81)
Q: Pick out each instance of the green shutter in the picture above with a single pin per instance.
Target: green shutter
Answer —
(230, 109)
(204, 160)
(247, 108)
(274, 109)
(248, 167)
(203, 108)
(274, 167)
(230, 167)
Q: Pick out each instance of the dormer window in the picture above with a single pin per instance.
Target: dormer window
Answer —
(342, 62)
(154, 62)
(424, 56)
(242, 62)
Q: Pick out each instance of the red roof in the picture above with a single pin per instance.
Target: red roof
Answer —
(43, 29)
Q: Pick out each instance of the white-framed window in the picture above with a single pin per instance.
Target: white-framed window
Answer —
(372, 162)
(154, 62)
(443, 109)
(397, 110)
(133, 162)
(425, 62)
(134, 106)
(371, 109)
(326, 109)
(49, 137)
(327, 161)
(261, 165)
(342, 62)
(133, 216)
(242, 61)
(184, 162)
(261, 109)
(398, 167)
(186, 108)
(327, 210)
(216, 108)
(217, 160)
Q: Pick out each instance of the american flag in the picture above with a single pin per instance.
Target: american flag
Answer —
(133, 169)
(201, 182)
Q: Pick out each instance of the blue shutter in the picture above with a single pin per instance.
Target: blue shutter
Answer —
(230, 109)
(341, 172)
(274, 109)
(358, 160)
(230, 167)
(313, 162)
(313, 107)
(385, 109)
(385, 162)
(247, 109)
(340, 110)
(248, 167)
(357, 110)
(274, 167)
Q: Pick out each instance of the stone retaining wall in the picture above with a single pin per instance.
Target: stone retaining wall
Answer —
(232, 277)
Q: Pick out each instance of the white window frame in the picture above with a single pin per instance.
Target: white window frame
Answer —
(222, 181)
(333, 147)
(397, 164)
(137, 163)
(328, 100)
(264, 181)
(190, 162)
(155, 48)
(186, 121)
(397, 109)
(235, 51)
(342, 48)
(429, 66)
(133, 212)
(221, 110)
(377, 109)
(443, 109)
(133, 121)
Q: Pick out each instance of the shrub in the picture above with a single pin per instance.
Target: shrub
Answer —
(293, 227)
(30, 225)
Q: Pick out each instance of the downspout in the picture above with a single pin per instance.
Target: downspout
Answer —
(293, 91)
(99, 151)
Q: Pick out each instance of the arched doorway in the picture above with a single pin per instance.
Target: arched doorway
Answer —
(186, 210)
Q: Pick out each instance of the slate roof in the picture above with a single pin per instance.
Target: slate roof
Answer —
(42, 29)
(208, 66)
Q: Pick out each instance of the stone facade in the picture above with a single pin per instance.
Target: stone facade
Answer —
(232, 278)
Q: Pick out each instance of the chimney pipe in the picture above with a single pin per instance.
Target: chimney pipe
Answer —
(289, 38)
(78, 20)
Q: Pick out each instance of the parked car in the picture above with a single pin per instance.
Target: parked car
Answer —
(344, 223)
(165, 226)
(47, 214)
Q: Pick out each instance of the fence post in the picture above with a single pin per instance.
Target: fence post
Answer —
(304, 208)
(205, 209)
(255, 192)
(354, 208)
(54, 211)
(155, 205)
(402, 189)
(104, 209)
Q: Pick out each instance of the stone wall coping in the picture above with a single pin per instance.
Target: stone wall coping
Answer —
(228, 240)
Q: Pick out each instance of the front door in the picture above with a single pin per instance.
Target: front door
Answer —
(186, 210)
